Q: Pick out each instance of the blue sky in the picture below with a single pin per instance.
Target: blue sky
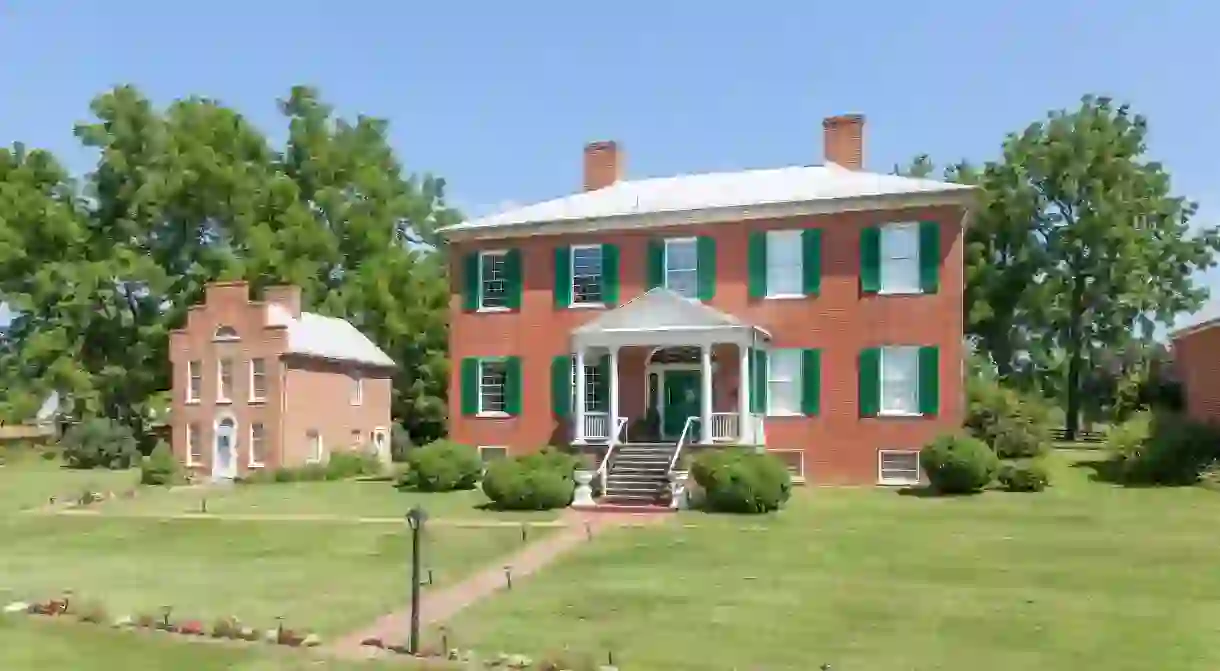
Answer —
(499, 97)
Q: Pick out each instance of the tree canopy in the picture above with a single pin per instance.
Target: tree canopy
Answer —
(99, 268)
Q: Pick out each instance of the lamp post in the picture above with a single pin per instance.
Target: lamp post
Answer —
(415, 519)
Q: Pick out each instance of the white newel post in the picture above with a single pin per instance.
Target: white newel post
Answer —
(705, 362)
(744, 420)
(578, 409)
(613, 395)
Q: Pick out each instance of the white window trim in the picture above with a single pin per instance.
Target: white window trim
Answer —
(796, 380)
(490, 252)
(572, 277)
(310, 458)
(892, 226)
(797, 232)
(482, 448)
(881, 411)
(694, 240)
(217, 336)
(191, 435)
(491, 413)
(191, 397)
(799, 478)
(356, 394)
(251, 461)
(253, 387)
(898, 482)
(220, 380)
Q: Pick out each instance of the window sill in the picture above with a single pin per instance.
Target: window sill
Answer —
(900, 292)
(224, 401)
(495, 309)
(493, 415)
(254, 464)
(355, 405)
(258, 401)
(192, 401)
(781, 415)
(785, 297)
(587, 306)
(897, 483)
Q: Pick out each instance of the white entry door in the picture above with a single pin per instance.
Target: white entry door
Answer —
(224, 456)
(381, 443)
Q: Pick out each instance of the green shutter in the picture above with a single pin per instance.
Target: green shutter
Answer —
(610, 274)
(811, 261)
(512, 278)
(929, 381)
(811, 381)
(706, 248)
(656, 263)
(470, 281)
(561, 385)
(929, 256)
(512, 386)
(870, 382)
(756, 262)
(758, 371)
(468, 386)
(563, 276)
(602, 393)
(870, 260)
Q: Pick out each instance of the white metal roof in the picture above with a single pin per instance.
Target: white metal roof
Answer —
(713, 191)
(660, 309)
(326, 337)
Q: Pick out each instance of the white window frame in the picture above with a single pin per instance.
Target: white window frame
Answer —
(356, 394)
(316, 448)
(897, 481)
(908, 350)
(483, 449)
(890, 256)
(221, 396)
(356, 436)
(601, 276)
(799, 476)
(261, 442)
(794, 379)
(591, 373)
(483, 307)
(225, 333)
(503, 412)
(193, 375)
(786, 239)
(192, 441)
(256, 397)
(666, 270)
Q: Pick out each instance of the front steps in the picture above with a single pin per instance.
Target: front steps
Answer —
(638, 475)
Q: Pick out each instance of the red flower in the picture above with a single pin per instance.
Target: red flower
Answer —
(192, 628)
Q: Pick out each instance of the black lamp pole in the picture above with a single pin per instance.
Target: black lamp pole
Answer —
(415, 518)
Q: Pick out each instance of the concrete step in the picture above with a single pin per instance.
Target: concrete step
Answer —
(635, 488)
(639, 469)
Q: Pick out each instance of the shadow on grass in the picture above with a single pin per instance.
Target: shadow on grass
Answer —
(1102, 469)
(928, 492)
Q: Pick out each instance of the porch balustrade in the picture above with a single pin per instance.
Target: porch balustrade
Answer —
(597, 426)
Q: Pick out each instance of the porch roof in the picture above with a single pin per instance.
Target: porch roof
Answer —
(663, 317)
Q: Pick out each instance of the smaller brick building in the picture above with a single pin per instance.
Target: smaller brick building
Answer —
(260, 384)
(1196, 362)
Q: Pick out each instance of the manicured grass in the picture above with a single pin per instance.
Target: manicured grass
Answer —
(341, 499)
(30, 482)
(1084, 576)
(329, 577)
(27, 644)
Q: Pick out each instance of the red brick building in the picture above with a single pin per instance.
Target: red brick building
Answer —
(261, 384)
(813, 311)
(1196, 363)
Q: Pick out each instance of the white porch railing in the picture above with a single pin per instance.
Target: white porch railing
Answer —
(726, 427)
(597, 426)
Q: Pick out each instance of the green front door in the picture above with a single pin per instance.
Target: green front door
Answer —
(681, 400)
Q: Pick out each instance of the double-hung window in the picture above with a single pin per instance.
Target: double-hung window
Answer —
(258, 379)
(587, 276)
(784, 382)
(224, 383)
(899, 380)
(785, 267)
(194, 375)
(682, 267)
(493, 383)
(493, 280)
(898, 467)
(258, 439)
(596, 398)
(194, 444)
(900, 258)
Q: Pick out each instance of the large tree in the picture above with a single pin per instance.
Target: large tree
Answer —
(99, 270)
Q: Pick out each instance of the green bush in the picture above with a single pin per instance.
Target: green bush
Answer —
(529, 483)
(400, 443)
(741, 480)
(353, 464)
(1127, 441)
(1030, 476)
(958, 464)
(1164, 449)
(442, 466)
(552, 458)
(160, 468)
(99, 443)
(1015, 425)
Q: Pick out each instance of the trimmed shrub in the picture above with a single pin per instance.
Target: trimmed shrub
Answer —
(99, 443)
(160, 468)
(1030, 476)
(553, 459)
(442, 466)
(958, 464)
(353, 464)
(1015, 425)
(1164, 449)
(741, 480)
(528, 483)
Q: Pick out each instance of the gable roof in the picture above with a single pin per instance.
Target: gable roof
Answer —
(326, 338)
(732, 195)
(662, 310)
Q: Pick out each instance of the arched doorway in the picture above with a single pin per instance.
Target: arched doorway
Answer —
(224, 450)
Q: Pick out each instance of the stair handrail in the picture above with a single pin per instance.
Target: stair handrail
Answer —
(681, 441)
(603, 469)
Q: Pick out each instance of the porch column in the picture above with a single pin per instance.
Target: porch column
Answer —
(613, 395)
(705, 361)
(578, 404)
(743, 397)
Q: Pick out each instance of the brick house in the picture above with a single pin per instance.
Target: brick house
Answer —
(260, 384)
(835, 294)
(1196, 363)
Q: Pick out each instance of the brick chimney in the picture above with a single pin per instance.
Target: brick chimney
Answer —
(843, 140)
(603, 164)
(287, 296)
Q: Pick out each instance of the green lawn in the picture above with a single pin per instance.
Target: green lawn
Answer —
(1084, 576)
(330, 577)
(29, 644)
(343, 499)
(30, 482)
